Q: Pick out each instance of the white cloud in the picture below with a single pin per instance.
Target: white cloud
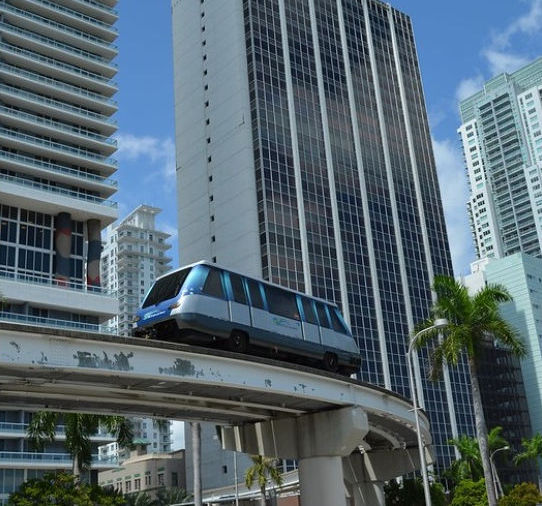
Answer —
(502, 61)
(454, 190)
(158, 151)
(469, 86)
(498, 55)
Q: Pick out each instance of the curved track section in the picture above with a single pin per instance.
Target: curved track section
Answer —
(76, 371)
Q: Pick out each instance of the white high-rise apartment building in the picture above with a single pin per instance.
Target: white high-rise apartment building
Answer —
(501, 133)
(56, 94)
(133, 256)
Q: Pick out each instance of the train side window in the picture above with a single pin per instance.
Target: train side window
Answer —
(238, 289)
(322, 315)
(255, 294)
(335, 321)
(213, 284)
(281, 302)
(308, 310)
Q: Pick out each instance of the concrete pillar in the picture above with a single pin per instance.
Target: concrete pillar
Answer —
(63, 245)
(94, 252)
(321, 481)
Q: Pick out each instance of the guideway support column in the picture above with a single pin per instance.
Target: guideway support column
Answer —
(319, 441)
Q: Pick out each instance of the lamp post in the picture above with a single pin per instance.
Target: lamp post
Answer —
(438, 324)
(496, 482)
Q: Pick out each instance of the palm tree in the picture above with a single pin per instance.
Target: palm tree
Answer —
(263, 470)
(172, 495)
(532, 451)
(472, 321)
(469, 466)
(79, 427)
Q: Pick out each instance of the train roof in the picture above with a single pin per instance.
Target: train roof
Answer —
(211, 264)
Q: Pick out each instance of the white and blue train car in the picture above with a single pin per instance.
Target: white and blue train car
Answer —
(205, 303)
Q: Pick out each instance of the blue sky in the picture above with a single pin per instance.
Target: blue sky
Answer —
(460, 44)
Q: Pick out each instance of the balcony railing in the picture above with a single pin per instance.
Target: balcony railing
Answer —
(57, 146)
(54, 323)
(57, 26)
(62, 459)
(58, 45)
(54, 63)
(58, 125)
(100, 5)
(56, 189)
(50, 281)
(58, 84)
(75, 14)
(29, 161)
(41, 99)
(60, 430)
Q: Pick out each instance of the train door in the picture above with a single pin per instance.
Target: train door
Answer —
(310, 321)
(327, 334)
(238, 303)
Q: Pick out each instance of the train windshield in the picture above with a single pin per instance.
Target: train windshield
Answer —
(166, 288)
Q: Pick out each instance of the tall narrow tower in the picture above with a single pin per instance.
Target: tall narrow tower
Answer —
(304, 157)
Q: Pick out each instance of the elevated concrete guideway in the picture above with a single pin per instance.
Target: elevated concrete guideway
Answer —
(266, 406)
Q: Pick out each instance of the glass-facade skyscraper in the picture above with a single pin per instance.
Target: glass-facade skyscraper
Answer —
(304, 157)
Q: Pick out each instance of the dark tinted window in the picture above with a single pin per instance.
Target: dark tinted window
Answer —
(255, 295)
(238, 289)
(281, 302)
(308, 309)
(335, 321)
(166, 288)
(213, 284)
(322, 315)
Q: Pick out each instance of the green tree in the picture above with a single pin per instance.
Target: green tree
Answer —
(79, 427)
(524, 494)
(172, 495)
(139, 499)
(410, 493)
(472, 320)
(63, 489)
(469, 466)
(532, 450)
(470, 493)
(262, 470)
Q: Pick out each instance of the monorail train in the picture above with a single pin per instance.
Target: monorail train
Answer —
(203, 303)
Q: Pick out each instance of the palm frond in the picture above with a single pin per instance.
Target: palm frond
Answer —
(42, 428)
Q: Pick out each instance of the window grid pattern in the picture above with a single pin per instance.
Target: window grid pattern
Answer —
(275, 180)
(313, 162)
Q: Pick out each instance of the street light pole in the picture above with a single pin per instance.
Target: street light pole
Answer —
(438, 324)
(496, 482)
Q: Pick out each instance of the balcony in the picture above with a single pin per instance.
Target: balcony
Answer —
(50, 107)
(55, 150)
(48, 292)
(57, 129)
(65, 53)
(70, 17)
(34, 460)
(57, 190)
(40, 83)
(58, 31)
(18, 430)
(71, 73)
(59, 173)
(95, 9)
